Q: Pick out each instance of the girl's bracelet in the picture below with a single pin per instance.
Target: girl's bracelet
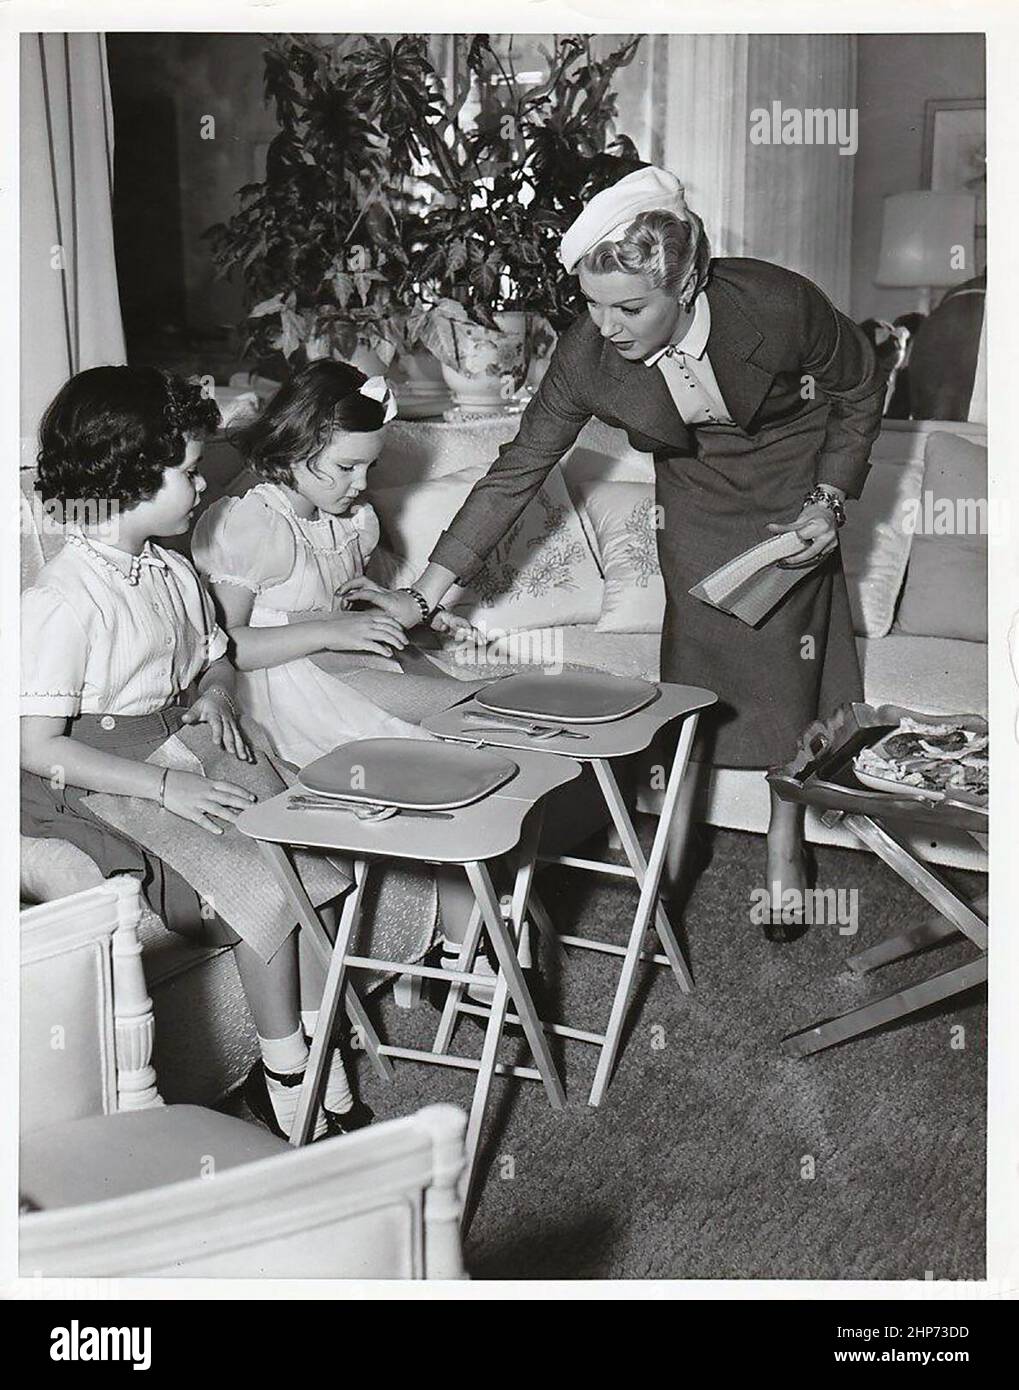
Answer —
(162, 789)
(221, 690)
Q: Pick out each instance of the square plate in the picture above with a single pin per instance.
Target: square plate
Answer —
(574, 697)
(408, 773)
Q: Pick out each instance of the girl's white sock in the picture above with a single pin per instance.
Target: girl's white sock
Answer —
(480, 994)
(285, 1055)
(288, 1057)
(337, 1096)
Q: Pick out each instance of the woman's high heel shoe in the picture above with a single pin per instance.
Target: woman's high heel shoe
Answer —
(259, 1102)
(787, 926)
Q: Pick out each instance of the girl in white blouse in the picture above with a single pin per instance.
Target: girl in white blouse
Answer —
(116, 633)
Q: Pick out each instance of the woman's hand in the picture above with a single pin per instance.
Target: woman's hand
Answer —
(452, 624)
(399, 606)
(362, 632)
(815, 527)
(215, 708)
(212, 805)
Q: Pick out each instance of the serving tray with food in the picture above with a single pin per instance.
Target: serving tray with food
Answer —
(930, 761)
(888, 761)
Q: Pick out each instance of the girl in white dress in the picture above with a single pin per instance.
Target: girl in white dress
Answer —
(277, 558)
(311, 672)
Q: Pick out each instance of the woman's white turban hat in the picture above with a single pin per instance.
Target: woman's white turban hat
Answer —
(610, 212)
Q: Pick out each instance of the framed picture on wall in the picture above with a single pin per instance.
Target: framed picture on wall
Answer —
(955, 156)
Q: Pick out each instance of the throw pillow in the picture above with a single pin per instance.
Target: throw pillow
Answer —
(946, 586)
(541, 574)
(622, 517)
(876, 542)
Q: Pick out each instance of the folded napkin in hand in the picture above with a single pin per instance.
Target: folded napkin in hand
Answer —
(750, 584)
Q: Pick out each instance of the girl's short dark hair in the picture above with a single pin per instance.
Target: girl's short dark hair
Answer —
(110, 432)
(319, 398)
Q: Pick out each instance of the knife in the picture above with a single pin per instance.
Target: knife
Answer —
(361, 809)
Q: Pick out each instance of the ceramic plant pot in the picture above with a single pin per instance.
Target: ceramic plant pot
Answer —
(418, 384)
(492, 365)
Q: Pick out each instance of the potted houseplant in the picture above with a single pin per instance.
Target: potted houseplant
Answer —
(500, 187)
(319, 241)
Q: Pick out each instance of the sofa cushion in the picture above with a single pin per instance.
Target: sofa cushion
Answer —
(541, 573)
(945, 594)
(937, 675)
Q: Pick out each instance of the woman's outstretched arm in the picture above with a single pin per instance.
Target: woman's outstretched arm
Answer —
(548, 429)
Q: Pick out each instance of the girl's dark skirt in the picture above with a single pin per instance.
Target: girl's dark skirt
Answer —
(57, 812)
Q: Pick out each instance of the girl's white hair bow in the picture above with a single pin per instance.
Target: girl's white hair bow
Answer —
(376, 388)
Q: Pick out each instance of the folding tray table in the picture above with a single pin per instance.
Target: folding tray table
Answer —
(821, 775)
(599, 744)
(506, 821)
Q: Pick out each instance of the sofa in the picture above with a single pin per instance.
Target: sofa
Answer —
(576, 580)
(113, 1183)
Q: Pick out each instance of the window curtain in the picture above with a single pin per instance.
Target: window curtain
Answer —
(70, 310)
(687, 100)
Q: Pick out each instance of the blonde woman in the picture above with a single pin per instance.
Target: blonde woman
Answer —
(759, 402)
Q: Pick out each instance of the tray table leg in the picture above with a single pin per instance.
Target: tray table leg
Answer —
(527, 853)
(505, 949)
(920, 876)
(648, 875)
(309, 920)
(886, 1009)
(482, 1088)
(332, 993)
(631, 844)
(905, 943)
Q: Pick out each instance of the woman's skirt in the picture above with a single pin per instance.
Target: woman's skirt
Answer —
(800, 662)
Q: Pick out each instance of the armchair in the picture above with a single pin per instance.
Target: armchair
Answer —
(115, 1183)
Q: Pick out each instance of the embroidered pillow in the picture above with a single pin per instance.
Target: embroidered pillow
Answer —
(622, 516)
(541, 574)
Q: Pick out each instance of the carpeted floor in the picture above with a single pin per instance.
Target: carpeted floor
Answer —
(712, 1156)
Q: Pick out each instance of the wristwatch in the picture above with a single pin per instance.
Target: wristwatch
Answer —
(822, 497)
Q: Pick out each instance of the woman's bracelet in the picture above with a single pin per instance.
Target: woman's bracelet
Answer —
(420, 600)
(162, 788)
(820, 496)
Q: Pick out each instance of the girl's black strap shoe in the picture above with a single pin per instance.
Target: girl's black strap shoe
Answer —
(259, 1102)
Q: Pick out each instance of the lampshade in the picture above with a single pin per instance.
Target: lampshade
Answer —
(920, 238)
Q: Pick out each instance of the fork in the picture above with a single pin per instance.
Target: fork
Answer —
(531, 729)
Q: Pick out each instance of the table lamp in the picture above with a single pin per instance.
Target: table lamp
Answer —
(927, 241)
